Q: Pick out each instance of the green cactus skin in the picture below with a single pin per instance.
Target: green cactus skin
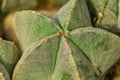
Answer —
(33, 23)
(74, 15)
(3, 73)
(13, 5)
(64, 48)
(105, 14)
(9, 55)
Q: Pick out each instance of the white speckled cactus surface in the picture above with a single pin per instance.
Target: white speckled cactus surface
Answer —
(59, 40)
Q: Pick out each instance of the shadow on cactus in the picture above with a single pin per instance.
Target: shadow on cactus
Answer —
(65, 47)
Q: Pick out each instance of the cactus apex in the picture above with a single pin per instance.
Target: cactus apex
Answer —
(67, 33)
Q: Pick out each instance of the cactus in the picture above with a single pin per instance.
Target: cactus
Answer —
(3, 73)
(9, 56)
(65, 47)
(13, 5)
(105, 14)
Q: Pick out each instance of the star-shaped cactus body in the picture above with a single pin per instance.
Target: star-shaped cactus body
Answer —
(65, 47)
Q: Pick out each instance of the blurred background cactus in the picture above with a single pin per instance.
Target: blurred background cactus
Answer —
(14, 5)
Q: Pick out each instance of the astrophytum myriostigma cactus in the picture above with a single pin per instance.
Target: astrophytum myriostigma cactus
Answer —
(13, 5)
(65, 47)
(9, 56)
(105, 14)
